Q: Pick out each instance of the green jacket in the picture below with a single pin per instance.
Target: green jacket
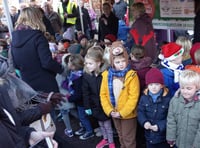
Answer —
(183, 122)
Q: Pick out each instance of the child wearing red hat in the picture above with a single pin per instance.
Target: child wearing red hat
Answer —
(171, 62)
(153, 109)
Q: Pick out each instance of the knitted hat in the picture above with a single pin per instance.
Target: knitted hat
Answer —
(74, 48)
(154, 75)
(110, 37)
(68, 34)
(194, 48)
(82, 37)
(171, 51)
(117, 49)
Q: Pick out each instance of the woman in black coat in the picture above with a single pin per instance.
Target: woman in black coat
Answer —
(31, 54)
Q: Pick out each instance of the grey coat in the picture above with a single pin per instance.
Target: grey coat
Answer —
(183, 122)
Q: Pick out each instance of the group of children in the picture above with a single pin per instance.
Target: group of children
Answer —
(114, 87)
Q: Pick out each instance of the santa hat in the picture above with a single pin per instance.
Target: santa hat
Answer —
(170, 51)
(117, 49)
(194, 48)
(154, 75)
(110, 37)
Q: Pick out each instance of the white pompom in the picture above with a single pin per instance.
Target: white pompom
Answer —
(161, 56)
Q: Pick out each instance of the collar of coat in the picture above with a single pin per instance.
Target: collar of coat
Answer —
(165, 91)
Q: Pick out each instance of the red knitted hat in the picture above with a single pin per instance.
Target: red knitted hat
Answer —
(111, 37)
(194, 48)
(171, 51)
(154, 75)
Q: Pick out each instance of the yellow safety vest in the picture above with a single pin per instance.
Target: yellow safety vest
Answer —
(69, 11)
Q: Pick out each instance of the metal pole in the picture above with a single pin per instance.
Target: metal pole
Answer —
(168, 35)
(8, 17)
(81, 17)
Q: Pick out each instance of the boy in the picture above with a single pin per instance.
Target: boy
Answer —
(153, 108)
(183, 118)
(119, 95)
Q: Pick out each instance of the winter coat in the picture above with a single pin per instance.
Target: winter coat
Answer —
(15, 132)
(31, 55)
(143, 26)
(91, 95)
(119, 9)
(128, 98)
(183, 122)
(77, 96)
(156, 114)
(110, 28)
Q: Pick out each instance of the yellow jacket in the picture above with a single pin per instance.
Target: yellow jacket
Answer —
(128, 98)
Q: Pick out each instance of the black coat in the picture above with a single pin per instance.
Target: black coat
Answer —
(110, 28)
(15, 135)
(91, 95)
(31, 55)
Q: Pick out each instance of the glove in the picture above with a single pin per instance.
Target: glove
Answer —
(57, 98)
(45, 107)
(88, 112)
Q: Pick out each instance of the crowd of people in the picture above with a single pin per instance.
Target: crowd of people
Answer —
(131, 87)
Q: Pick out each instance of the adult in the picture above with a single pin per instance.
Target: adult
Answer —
(31, 54)
(120, 8)
(142, 30)
(53, 17)
(68, 14)
(86, 23)
(108, 22)
(197, 21)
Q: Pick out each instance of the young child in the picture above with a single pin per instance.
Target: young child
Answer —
(119, 95)
(153, 109)
(73, 84)
(183, 118)
(140, 63)
(171, 62)
(91, 90)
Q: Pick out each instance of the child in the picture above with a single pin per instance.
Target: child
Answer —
(91, 90)
(183, 118)
(153, 108)
(119, 95)
(171, 62)
(74, 85)
(140, 63)
(186, 44)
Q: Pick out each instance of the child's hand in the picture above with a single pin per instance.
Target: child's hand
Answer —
(171, 143)
(115, 114)
(154, 128)
(147, 125)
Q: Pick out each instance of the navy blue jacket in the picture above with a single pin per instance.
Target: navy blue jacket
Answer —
(156, 114)
(31, 55)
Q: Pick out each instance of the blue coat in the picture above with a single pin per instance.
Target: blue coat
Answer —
(156, 114)
(31, 55)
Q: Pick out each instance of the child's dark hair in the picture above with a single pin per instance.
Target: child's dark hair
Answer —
(138, 51)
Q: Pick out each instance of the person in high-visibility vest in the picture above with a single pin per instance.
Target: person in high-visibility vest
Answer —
(68, 14)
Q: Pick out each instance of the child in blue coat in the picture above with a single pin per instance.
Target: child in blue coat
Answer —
(153, 108)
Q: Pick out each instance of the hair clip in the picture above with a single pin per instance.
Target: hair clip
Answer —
(117, 51)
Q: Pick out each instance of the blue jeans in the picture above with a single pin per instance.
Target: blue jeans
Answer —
(84, 119)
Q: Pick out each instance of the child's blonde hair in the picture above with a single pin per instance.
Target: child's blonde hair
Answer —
(139, 7)
(186, 44)
(95, 53)
(31, 17)
(189, 77)
(76, 60)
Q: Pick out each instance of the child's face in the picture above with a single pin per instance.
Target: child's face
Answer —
(61, 47)
(177, 60)
(154, 88)
(91, 65)
(84, 42)
(119, 63)
(188, 91)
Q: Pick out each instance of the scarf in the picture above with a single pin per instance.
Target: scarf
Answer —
(68, 82)
(155, 96)
(115, 73)
(177, 69)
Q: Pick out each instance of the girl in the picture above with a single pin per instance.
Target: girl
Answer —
(91, 89)
(73, 84)
(119, 95)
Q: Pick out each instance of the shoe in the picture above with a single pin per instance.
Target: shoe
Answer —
(81, 131)
(87, 135)
(102, 143)
(69, 133)
(111, 145)
(98, 134)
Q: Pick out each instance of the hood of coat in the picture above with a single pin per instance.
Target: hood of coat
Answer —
(21, 37)
(145, 18)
